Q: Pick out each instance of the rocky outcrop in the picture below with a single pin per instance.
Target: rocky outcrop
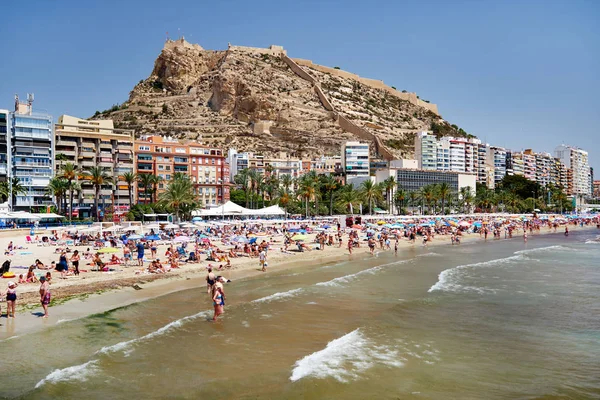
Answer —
(260, 100)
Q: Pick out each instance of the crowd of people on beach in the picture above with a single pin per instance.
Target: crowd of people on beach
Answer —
(219, 243)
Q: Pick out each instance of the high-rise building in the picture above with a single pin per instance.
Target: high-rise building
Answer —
(4, 144)
(164, 156)
(355, 160)
(96, 143)
(32, 155)
(578, 169)
(496, 159)
(426, 151)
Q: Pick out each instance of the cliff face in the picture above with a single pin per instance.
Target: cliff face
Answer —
(250, 99)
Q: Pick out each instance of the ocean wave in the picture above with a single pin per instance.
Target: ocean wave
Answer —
(542, 249)
(75, 373)
(432, 254)
(124, 346)
(593, 241)
(344, 359)
(349, 278)
(447, 279)
(278, 296)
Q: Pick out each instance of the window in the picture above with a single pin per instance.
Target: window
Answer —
(161, 167)
(144, 148)
(180, 150)
(158, 158)
(213, 161)
(167, 167)
(194, 168)
(168, 177)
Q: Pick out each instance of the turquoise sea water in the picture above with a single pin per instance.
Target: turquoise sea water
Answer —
(497, 320)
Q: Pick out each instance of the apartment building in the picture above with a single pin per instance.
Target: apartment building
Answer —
(4, 144)
(578, 169)
(31, 155)
(426, 151)
(327, 165)
(97, 143)
(164, 156)
(355, 162)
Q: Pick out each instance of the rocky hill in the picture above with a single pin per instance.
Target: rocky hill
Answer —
(261, 100)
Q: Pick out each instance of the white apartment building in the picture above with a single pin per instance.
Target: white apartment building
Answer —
(426, 151)
(496, 158)
(355, 161)
(578, 169)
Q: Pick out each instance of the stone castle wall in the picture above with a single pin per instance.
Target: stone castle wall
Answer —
(273, 50)
(374, 83)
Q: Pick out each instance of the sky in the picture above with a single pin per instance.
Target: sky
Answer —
(517, 74)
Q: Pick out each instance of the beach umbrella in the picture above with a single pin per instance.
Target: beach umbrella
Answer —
(380, 222)
(299, 237)
(134, 237)
(240, 239)
(182, 239)
(108, 250)
(477, 224)
(465, 224)
(152, 237)
(326, 226)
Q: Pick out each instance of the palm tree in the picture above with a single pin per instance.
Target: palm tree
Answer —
(413, 198)
(314, 177)
(242, 180)
(178, 194)
(16, 188)
(287, 181)
(4, 191)
(427, 194)
(145, 181)
(255, 181)
(467, 198)
(97, 177)
(155, 180)
(348, 197)
(57, 187)
(69, 172)
(370, 192)
(399, 198)
(130, 178)
(307, 190)
(444, 190)
(389, 185)
(329, 183)
(283, 198)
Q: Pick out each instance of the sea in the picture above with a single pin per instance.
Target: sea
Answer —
(502, 319)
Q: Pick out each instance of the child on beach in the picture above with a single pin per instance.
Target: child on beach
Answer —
(11, 298)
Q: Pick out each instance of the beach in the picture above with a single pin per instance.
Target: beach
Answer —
(94, 292)
(485, 319)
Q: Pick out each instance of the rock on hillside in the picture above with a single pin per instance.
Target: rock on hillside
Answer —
(250, 99)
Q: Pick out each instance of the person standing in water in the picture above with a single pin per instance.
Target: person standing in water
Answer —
(45, 295)
(210, 281)
(218, 298)
(11, 298)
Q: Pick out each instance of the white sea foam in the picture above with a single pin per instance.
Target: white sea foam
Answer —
(593, 241)
(75, 373)
(448, 278)
(429, 255)
(278, 296)
(10, 338)
(344, 359)
(349, 278)
(542, 249)
(126, 346)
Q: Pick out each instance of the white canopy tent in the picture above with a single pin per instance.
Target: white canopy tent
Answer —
(230, 208)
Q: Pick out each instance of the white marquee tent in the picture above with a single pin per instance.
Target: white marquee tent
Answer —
(230, 208)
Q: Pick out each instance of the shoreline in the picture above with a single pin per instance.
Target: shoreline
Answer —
(80, 299)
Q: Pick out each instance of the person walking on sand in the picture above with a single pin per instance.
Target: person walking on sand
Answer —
(350, 245)
(11, 299)
(525, 236)
(262, 259)
(44, 295)
(75, 261)
(396, 247)
(140, 253)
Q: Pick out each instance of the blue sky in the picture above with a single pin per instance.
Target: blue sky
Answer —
(519, 74)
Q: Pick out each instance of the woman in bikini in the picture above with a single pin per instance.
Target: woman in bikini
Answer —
(218, 301)
(75, 261)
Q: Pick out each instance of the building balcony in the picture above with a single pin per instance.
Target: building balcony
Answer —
(105, 164)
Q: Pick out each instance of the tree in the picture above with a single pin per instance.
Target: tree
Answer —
(145, 181)
(287, 181)
(283, 198)
(69, 172)
(370, 192)
(399, 198)
(179, 194)
(307, 190)
(444, 190)
(17, 189)
(97, 177)
(242, 180)
(155, 181)
(57, 187)
(348, 197)
(329, 183)
(466, 198)
(428, 195)
(130, 178)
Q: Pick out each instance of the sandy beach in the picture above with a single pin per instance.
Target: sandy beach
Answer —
(96, 292)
